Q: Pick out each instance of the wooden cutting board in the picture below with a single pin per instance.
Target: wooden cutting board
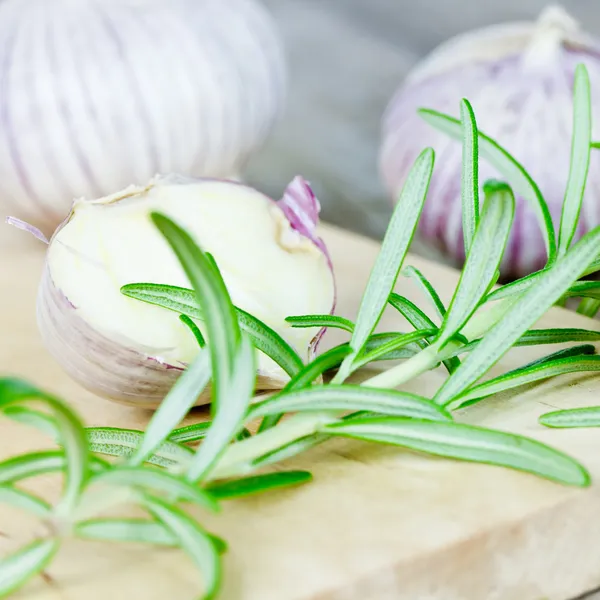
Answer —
(377, 523)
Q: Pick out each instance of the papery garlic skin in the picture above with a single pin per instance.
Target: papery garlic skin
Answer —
(95, 95)
(131, 351)
(519, 79)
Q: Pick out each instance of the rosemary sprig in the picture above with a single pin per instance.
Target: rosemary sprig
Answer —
(158, 471)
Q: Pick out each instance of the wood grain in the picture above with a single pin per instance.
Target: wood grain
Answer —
(376, 524)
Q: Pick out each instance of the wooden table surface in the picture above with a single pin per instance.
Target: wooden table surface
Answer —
(375, 524)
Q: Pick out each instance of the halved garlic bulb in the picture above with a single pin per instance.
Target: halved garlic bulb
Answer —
(272, 261)
(519, 78)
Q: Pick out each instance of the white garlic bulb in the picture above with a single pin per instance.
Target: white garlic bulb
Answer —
(519, 79)
(98, 94)
(271, 259)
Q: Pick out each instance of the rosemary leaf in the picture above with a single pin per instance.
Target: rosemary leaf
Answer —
(483, 259)
(580, 159)
(426, 288)
(34, 418)
(125, 442)
(466, 442)
(20, 567)
(419, 320)
(33, 464)
(574, 417)
(257, 484)
(521, 182)
(589, 307)
(389, 262)
(190, 433)
(191, 325)
(183, 301)
(350, 398)
(221, 321)
(533, 303)
(524, 376)
(235, 395)
(332, 321)
(71, 436)
(155, 481)
(196, 542)
(175, 406)
(470, 173)
(134, 530)
(25, 501)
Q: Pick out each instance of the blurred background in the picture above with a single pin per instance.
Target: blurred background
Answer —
(346, 59)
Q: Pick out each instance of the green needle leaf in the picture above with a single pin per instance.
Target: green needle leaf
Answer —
(189, 323)
(395, 343)
(580, 158)
(156, 481)
(34, 418)
(410, 311)
(524, 376)
(196, 542)
(39, 463)
(190, 433)
(514, 288)
(583, 349)
(589, 307)
(270, 343)
(574, 417)
(466, 442)
(395, 245)
(71, 433)
(419, 320)
(25, 501)
(257, 484)
(510, 169)
(534, 337)
(126, 530)
(470, 173)
(333, 357)
(426, 288)
(533, 303)
(584, 289)
(183, 300)
(483, 260)
(177, 403)
(321, 321)
(221, 322)
(348, 398)
(20, 567)
(234, 395)
(133, 530)
(125, 442)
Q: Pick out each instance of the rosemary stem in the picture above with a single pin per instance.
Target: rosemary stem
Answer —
(413, 367)
(237, 459)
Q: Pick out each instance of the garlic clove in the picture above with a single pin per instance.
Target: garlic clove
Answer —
(272, 261)
(518, 77)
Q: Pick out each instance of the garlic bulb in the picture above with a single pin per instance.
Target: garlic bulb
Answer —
(518, 77)
(272, 261)
(96, 95)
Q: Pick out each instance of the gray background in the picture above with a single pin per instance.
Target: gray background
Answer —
(346, 58)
